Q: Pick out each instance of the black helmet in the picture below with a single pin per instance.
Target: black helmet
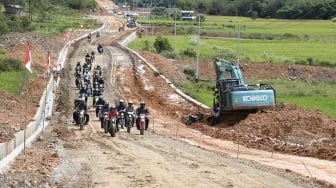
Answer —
(142, 104)
(78, 63)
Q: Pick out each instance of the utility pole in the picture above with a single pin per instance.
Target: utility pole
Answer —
(238, 47)
(30, 13)
(175, 29)
(198, 54)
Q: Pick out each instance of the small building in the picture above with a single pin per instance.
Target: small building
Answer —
(13, 9)
(187, 15)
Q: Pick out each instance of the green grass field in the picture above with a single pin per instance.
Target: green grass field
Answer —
(12, 82)
(277, 51)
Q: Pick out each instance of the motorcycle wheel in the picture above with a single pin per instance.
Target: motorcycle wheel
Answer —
(122, 122)
(105, 125)
(113, 130)
(129, 129)
(142, 131)
(81, 123)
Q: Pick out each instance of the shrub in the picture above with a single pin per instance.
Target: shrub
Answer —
(188, 52)
(189, 71)
(146, 45)
(162, 44)
(9, 64)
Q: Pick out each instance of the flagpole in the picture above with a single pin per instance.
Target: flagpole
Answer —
(25, 119)
(27, 64)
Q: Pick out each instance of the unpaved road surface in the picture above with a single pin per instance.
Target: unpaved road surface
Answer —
(168, 155)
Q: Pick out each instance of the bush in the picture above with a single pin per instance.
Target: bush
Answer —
(146, 45)
(9, 64)
(171, 54)
(188, 52)
(3, 26)
(189, 71)
(162, 44)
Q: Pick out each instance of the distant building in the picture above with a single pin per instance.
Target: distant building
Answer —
(17, 10)
(14, 9)
(187, 15)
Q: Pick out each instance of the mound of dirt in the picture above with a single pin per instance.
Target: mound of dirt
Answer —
(287, 129)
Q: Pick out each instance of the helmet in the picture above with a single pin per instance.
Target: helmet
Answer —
(142, 104)
(101, 96)
(112, 107)
(130, 102)
(78, 63)
(106, 104)
(121, 101)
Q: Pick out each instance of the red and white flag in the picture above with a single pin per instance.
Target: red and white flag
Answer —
(28, 60)
(48, 63)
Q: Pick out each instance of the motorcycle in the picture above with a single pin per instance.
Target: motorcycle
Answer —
(83, 96)
(121, 118)
(129, 121)
(105, 122)
(101, 87)
(78, 82)
(94, 100)
(112, 128)
(81, 119)
(142, 123)
(99, 115)
(194, 118)
(100, 49)
(95, 85)
(89, 88)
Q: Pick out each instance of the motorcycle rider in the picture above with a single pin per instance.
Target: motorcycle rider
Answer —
(79, 105)
(98, 70)
(142, 110)
(85, 67)
(100, 101)
(129, 108)
(83, 92)
(113, 112)
(100, 48)
(104, 109)
(92, 56)
(101, 80)
(78, 67)
(120, 107)
(88, 58)
(89, 37)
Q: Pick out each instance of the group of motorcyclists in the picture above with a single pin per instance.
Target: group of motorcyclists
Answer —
(124, 114)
